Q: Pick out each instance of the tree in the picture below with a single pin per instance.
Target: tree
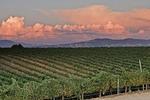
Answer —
(10, 92)
(112, 81)
(84, 85)
(137, 78)
(75, 85)
(125, 80)
(146, 78)
(17, 46)
(3, 91)
(49, 88)
(65, 87)
(30, 91)
(103, 82)
(99, 83)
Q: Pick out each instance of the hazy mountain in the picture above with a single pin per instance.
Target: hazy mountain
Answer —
(9, 43)
(107, 43)
(91, 43)
(6, 43)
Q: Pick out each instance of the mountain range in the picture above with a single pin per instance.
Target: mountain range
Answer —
(129, 42)
(9, 43)
(6, 43)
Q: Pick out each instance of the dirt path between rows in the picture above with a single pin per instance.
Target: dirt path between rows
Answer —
(132, 96)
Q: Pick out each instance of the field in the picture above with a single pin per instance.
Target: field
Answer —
(36, 65)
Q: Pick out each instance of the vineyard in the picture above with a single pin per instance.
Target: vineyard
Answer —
(37, 74)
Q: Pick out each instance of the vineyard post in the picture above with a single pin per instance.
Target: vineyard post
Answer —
(118, 91)
(140, 65)
(141, 71)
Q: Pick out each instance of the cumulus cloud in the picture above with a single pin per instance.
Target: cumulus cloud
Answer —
(137, 19)
(12, 26)
(85, 23)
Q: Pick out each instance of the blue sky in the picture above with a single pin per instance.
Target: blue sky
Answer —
(28, 8)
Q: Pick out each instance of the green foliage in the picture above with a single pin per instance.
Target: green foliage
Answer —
(47, 73)
(101, 82)
(10, 92)
(49, 88)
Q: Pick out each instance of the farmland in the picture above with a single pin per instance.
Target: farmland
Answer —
(36, 66)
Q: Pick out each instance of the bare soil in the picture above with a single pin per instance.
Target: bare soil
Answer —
(132, 96)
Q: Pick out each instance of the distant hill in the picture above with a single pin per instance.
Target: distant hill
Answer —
(6, 43)
(9, 43)
(129, 42)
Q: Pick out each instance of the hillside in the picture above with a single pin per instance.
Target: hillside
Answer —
(91, 43)
(9, 43)
(6, 43)
(129, 42)
(45, 73)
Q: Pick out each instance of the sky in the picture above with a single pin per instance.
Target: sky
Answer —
(65, 21)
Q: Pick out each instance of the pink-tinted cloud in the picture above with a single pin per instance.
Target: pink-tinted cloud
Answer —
(137, 19)
(12, 26)
(85, 23)
(86, 15)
